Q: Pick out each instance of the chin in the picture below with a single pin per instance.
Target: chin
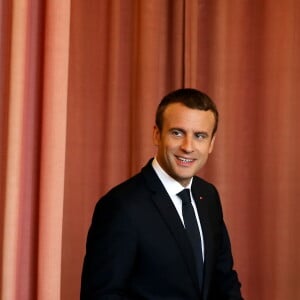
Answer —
(184, 177)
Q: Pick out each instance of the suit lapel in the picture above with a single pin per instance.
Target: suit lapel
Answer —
(170, 216)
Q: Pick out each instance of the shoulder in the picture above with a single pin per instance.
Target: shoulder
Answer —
(124, 195)
(202, 185)
(129, 188)
(138, 183)
(115, 207)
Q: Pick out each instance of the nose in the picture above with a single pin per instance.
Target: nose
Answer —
(187, 144)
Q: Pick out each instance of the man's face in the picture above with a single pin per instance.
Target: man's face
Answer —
(185, 141)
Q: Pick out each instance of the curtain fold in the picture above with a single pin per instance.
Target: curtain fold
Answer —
(34, 147)
(53, 147)
(190, 43)
(21, 152)
(79, 84)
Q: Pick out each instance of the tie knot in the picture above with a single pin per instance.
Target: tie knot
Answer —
(184, 195)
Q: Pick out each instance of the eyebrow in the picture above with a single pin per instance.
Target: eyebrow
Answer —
(184, 131)
(176, 128)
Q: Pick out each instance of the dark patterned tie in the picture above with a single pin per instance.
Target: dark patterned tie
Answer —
(192, 229)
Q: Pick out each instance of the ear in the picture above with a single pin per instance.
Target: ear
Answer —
(212, 143)
(156, 136)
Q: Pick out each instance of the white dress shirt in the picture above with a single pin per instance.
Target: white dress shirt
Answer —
(173, 187)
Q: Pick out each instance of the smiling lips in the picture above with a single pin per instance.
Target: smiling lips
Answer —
(184, 161)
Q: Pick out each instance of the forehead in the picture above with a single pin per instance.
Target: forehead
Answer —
(178, 115)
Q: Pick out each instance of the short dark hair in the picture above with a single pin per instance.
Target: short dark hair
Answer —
(191, 98)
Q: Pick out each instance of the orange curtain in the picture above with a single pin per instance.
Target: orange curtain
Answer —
(34, 77)
(79, 85)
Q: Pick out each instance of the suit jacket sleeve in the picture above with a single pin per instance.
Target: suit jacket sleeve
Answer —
(106, 269)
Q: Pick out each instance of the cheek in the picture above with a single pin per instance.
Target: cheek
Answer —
(166, 144)
(205, 150)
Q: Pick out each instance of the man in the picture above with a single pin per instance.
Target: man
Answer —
(149, 241)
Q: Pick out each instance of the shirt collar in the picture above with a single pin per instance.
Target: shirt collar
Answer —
(171, 185)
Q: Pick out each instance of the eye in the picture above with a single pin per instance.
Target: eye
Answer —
(176, 133)
(201, 135)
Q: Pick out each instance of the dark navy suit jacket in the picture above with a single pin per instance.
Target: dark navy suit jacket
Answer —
(137, 247)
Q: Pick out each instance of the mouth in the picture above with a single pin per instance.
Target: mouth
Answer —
(183, 161)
